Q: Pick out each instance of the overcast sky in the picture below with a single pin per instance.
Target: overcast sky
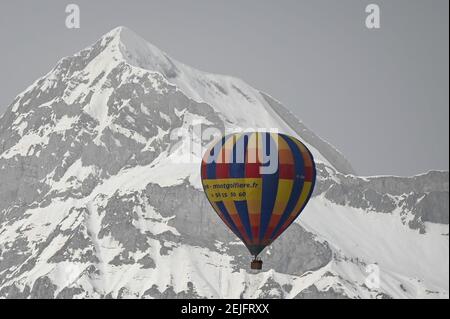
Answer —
(380, 96)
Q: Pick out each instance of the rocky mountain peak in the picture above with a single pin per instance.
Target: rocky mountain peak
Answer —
(94, 184)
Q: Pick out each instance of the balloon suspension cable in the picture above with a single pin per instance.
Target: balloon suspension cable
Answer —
(256, 263)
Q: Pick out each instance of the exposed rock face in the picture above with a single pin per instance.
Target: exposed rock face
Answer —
(424, 197)
(97, 199)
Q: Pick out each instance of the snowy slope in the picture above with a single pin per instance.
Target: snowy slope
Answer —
(97, 198)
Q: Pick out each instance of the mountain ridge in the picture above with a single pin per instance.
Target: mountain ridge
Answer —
(95, 185)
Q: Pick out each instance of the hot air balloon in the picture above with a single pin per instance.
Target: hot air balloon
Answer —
(258, 183)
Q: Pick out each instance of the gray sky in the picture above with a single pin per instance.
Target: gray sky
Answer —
(380, 96)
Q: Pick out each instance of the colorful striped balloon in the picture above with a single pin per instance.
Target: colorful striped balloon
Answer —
(258, 183)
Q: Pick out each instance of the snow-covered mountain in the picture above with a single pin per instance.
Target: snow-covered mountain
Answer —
(97, 198)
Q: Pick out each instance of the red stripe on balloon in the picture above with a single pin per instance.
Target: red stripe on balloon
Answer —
(222, 170)
(203, 170)
(286, 171)
(252, 170)
(309, 173)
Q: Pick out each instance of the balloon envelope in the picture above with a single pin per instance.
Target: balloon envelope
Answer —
(258, 183)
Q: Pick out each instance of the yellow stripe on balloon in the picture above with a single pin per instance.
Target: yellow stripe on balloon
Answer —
(283, 194)
(232, 211)
(255, 193)
(306, 156)
(281, 201)
(284, 185)
(301, 201)
(294, 213)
